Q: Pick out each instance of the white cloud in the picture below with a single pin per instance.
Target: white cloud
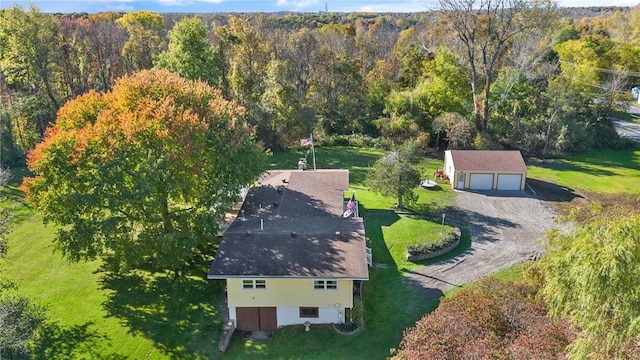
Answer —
(401, 6)
(585, 3)
(174, 2)
(297, 4)
(384, 6)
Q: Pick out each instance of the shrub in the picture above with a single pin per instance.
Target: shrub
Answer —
(425, 248)
(488, 320)
(356, 140)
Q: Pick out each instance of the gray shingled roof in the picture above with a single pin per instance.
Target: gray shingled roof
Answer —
(488, 160)
(301, 211)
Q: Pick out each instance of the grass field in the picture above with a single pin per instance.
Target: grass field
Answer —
(612, 171)
(140, 315)
(143, 315)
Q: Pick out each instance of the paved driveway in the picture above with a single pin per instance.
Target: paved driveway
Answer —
(505, 229)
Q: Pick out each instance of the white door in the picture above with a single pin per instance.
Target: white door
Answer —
(460, 181)
(509, 181)
(481, 182)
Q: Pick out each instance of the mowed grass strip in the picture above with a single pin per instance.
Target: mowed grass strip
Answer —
(402, 230)
(72, 296)
(607, 172)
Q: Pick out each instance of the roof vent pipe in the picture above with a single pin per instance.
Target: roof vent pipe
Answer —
(294, 234)
(242, 218)
(338, 235)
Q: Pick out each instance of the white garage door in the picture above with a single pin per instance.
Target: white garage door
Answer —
(509, 181)
(481, 182)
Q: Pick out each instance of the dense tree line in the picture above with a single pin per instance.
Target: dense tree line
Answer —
(391, 75)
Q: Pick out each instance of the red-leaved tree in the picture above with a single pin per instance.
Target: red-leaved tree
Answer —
(489, 320)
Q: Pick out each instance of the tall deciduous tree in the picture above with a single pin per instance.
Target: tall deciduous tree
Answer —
(145, 37)
(102, 45)
(457, 129)
(144, 173)
(485, 30)
(248, 60)
(395, 175)
(591, 276)
(29, 56)
(5, 215)
(190, 54)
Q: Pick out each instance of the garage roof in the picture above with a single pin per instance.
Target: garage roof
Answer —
(488, 160)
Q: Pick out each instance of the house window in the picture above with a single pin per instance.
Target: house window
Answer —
(308, 312)
(254, 284)
(325, 284)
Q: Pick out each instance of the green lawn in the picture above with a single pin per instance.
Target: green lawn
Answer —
(155, 316)
(140, 315)
(611, 171)
(402, 230)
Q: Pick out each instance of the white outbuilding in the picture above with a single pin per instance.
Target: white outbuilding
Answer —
(485, 169)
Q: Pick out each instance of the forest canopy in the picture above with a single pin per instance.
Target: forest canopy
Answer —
(546, 89)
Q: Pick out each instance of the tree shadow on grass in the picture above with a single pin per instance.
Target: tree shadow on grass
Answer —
(374, 221)
(582, 166)
(548, 191)
(181, 315)
(389, 297)
(73, 342)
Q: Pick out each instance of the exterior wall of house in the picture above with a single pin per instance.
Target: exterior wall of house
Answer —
(467, 179)
(449, 168)
(283, 292)
(290, 315)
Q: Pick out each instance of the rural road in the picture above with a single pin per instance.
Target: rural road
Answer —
(505, 229)
(627, 129)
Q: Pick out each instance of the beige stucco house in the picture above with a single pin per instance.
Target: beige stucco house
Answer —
(291, 257)
(485, 169)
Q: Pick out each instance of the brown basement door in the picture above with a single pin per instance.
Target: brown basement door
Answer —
(256, 318)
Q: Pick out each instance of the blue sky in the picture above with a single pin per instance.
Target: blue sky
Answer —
(93, 6)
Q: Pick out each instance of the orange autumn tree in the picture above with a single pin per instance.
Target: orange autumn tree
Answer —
(142, 175)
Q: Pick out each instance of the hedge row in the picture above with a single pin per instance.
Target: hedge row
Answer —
(425, 248)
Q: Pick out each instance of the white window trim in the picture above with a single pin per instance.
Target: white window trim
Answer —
(256, 284)
(324, 284)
